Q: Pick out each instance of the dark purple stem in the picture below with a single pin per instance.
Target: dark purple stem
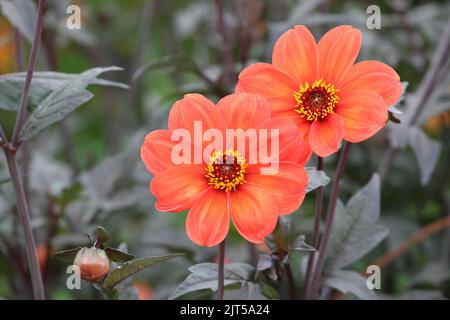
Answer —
(10, 153)
(426, 87)
(18, 50)
(315, 282)
(221, 276)
(316, 231)
(30, 244)
(226, 53)
(22, 110)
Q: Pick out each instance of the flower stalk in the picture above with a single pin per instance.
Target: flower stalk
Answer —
(316, 231)
(316, 278)
(221, 273)
(290, 279)
(10, 149)
(24, 212)
(21, 112)
(226, 52)
(426, 87)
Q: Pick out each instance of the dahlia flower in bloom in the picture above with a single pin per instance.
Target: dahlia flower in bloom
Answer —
(226, 183)
(321, 88)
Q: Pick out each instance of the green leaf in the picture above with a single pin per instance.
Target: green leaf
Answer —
(269, 291)
(355, 231)
(3, 181)
(264, 262)
(166, 61)
(68, 195)
(118, 256)
(190, 254)
(131, 268)
(58, 104)
(394, 108)
(54, 108)
(125, 289)
(350, 282)
(22, 14)
(282, 233)
(299, 244)
(427, 152)
(67, 255)
(251, 291)
(101, 234)
(42, 85)
(204, 277)
(317, 178)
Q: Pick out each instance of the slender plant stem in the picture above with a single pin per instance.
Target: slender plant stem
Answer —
(21, 112)
(315, 282)
(10, 152)
(221, 277)
(215, 86)
(418, 237)
(426, 87)
(253, 254)
(18, 50)
(145, 25)
(30, 244)
(226, 52)
(24, 160)
(290, 280)
(316, 231)
(386, 162)
(430, 78)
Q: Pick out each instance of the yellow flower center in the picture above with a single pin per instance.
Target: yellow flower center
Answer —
(226, 171)
(316, 101)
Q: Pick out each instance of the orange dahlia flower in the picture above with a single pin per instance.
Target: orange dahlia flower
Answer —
(321, 88)
(227, 185)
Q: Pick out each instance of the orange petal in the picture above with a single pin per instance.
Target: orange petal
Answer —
(338, 50)
(244, 110)
(177, 187)
(253, 212)
(376, 76)
(195, 107)
(208, 221)
(326, 135)
(288, 141)
(156, 151)
(306, 152)
(364, 113)
(270, 82)
(295, 52)
(302, 124)
(293, 179)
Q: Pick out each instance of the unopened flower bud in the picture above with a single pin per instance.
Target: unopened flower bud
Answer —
(93, 264)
